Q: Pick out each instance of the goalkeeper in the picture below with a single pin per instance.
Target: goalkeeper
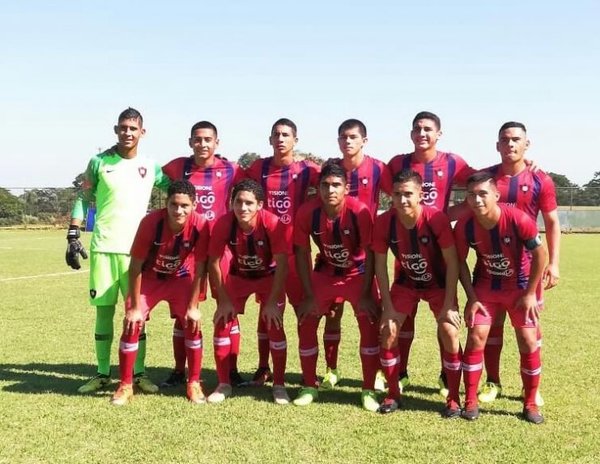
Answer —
(120, 182)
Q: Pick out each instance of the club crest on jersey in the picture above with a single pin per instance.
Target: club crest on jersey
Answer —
(93, 293)
(524, 188)
(142, 170)
(424, 239)
(219, 174)
(260, 243)
(346, 231)
(440, 173)
(365, 181)
(187, 245)
(506, 239)
(294, 176)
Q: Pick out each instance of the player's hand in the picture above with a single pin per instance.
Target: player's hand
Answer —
(306, 308)
(74, 248)
(532, 165)
(133, 321)
(192, 320)
(391, 321)
(367, 304)
(272, 313)
(225, 311)
(530, 305)
(471, 309)
(451, 316)
(550, 277)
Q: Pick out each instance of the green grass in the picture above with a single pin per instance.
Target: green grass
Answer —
(46, 351)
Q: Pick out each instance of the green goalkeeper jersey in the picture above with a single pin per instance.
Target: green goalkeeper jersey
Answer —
(121, 189)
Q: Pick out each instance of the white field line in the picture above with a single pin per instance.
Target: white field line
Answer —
(39, 276)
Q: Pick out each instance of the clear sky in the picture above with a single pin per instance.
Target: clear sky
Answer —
(69, 67)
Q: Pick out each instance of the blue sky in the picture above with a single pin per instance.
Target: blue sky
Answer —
(68, 68)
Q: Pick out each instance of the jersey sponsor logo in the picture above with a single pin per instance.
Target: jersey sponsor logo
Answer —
(285, 219)
(497, 265)
(251, 262)
(281, 206)
(143, 171)
(416, 266)
(166, 264)
(430, 193)
(337, 255)
(209, 215)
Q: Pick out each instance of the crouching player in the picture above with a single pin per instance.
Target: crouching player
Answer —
(426, 268)
(259, 245)
(341, 227)
(168, 259)
(504, 278)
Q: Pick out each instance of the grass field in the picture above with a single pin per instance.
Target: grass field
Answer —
(46, 351)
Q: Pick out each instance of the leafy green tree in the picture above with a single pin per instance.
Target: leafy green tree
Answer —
(11, 209)
(247, 159)
(567, 192)
(590, 195)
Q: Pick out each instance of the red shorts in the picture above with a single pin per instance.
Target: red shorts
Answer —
(239, 289)
(406, 300)
(334, 289)
(497, 301)
(176, 292)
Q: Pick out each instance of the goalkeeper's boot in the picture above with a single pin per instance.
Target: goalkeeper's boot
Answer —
(142, 382)
(306, 395)
(330, 379)
(489, 392)
(123, 395)
(98, 382)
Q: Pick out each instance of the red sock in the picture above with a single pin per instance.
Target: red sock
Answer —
(405, 339)
(309, 349)
(531, 370)
(331, 345)
(193, 350)
(369, 350)
(278, 346)
(472, 365)
(263, 343)
(179, 352)
(452, 369)
(222, 347)
(235, 336)
(493, 349)
(390, 365)
(128, 349)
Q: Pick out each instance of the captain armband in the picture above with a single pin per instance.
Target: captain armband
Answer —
(533, 243)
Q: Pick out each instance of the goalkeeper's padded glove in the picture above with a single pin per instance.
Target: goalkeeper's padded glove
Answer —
(74, 248)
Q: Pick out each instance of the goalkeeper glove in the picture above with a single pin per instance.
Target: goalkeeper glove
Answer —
(74, 248)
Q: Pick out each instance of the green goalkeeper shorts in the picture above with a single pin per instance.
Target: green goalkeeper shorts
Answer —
(109, 274)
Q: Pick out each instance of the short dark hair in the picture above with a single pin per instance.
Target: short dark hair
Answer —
(479, 177)
(182, 186)
(131, 113)
(249, 185)
(351, 124)
(332, 168)
(407, 175)
(509, 124)
(285, 122)
(427, 115)
(204, 125)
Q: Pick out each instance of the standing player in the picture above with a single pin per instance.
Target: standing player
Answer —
(426, 268)
(532, 192)
(341, 228)
(504, 279)
(120, 182)
(259, 244)
(168, 260)
(366, 178)
(286, 184)
(213, 176)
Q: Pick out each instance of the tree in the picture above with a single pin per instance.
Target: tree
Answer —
(590, 195)
(567, 192)
(11, 209)
(245, 160)
(299, 155)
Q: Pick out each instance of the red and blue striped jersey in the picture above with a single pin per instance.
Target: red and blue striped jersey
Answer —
(502, 261)
(286, 187)
(167, 255)
(439, 175)
(419, 262)
(342, 241)
(252, 252)
(213, 184)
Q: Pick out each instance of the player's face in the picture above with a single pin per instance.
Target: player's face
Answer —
(425, 134)
(512, 144)
(482, 197)
(351, 142)
(333, 189)
(204, 143)
(246, 207)
(179, 208)
(406, 197)
(129, 132)
(283, 141)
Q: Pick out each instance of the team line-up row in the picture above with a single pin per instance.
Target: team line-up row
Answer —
(250, 232)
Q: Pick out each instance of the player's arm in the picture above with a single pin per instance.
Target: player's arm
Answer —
(225, 310)
(367, 303)
(272, 313)
(455, 212)
(529, 299)
(551, 272)
(133, 313)
(161, 180)
(473, 305)
(192, 315)
(450, 312)
(307, 305)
